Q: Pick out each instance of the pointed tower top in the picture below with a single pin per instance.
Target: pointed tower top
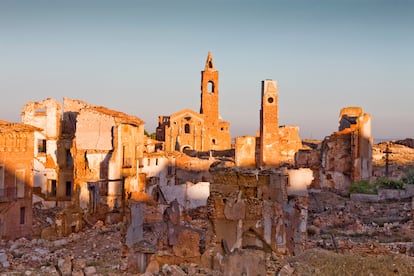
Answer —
(209, 63)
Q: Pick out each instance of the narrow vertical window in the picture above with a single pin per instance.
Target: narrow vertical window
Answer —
(68, 188)
(210, 87)
(69, 159)
(20, 183)
(53, 187)
(41, 146)
(187, 128)
(22, 215)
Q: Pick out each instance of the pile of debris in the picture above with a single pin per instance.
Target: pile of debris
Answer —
(337, 223)
(92, 251)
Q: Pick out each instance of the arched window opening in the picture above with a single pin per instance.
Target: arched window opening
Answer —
(187, 128)
(210, 87)
(213, 141)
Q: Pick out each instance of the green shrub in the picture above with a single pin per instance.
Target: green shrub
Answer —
(408, 178)
(388, 183)
(362, 187)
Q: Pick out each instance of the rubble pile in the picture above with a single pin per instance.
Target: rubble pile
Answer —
(337, 223)
(92, 251)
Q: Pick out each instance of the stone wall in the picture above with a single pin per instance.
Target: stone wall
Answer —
(245, 151)
(16, 179)
(343, 157)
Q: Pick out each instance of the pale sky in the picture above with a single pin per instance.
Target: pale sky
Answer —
(144, 58)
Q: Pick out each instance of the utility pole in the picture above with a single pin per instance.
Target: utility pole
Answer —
(387, 160)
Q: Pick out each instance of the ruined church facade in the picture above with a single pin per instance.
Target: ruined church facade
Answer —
(190, 130)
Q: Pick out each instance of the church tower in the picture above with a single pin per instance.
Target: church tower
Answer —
(210, 93)
(269, 126)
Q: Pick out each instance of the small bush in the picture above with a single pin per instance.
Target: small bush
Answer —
(362, 187)
(387, 183)
(408, 178)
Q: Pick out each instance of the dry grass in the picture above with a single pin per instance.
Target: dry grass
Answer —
(323, 262)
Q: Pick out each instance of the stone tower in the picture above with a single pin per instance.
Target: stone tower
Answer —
(269, 155)
(209, 92)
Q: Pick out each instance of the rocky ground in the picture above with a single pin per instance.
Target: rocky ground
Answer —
(345, 238)
(94, 250)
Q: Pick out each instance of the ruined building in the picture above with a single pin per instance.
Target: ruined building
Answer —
(232, 224)
(53, 166)
(276, 145)
(190, 130)
(343, 157)
(107, 146)
(86, 157)
(17, 155)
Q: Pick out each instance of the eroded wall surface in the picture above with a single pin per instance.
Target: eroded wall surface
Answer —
(106, 149)
(16, 179)
(343, 157)
(245, 151)
(239, 214)
(46, 115)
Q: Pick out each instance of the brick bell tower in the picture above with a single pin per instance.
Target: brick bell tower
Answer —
(210, 93)
(269, 126)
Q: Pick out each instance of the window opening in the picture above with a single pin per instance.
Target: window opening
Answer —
(20, 175)
(68, 188)
(41, 145)
(210, 87)
(53, 187)
(22, 215)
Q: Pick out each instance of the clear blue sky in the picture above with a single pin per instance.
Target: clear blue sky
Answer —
(144, 58)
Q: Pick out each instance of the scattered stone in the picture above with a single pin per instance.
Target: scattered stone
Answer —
(65, 265)
(4, 260)
(89, 270)
(153, 267)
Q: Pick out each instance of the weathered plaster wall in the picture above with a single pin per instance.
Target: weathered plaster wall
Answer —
(94, 131)
(245, 151)
(290, 143)
(189, 195)
(343, 157)
(299, 181)
(16, 165)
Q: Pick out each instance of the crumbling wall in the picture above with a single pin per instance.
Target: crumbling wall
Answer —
(106, 151)
(46, 115)
(290, 143)
(245, 151)
(16, 179)
(252, 210)
(343, 157)
(336, 163)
